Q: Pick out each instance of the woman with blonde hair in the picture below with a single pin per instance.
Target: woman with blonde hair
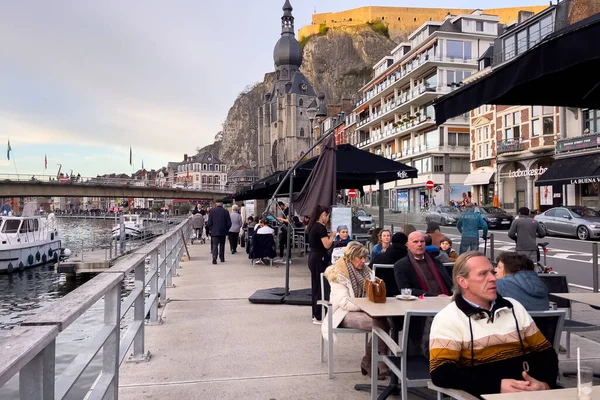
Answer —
(385, 238)
(347, 280)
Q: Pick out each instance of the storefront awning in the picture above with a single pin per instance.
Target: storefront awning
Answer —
(562, 70)
(565, 171)
(479, 178)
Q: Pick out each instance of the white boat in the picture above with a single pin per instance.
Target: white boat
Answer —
(134, 227)
(28, 241)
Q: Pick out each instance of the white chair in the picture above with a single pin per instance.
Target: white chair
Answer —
(326, 307)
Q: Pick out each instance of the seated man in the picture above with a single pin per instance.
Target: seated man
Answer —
(484, 343)
(517, 279)
(420, 272)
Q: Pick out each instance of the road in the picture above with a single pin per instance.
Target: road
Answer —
(571, 257)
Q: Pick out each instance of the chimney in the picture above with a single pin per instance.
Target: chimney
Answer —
(184, 157)
(524, 15)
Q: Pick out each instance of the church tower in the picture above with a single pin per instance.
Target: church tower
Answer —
(284, 131)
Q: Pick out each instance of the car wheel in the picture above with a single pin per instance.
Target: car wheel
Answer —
(544, 228)
(583, 233)
(444, 221)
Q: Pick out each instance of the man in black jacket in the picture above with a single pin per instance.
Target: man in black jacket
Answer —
(219, 223)
(420, 272)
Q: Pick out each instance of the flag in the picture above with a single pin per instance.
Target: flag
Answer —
(130, 156)
(8, 150)
(45, 161)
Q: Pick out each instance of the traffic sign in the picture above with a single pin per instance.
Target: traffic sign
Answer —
(352, 193)
(429, 184)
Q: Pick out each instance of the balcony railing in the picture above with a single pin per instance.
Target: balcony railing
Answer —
(400, 127)
(510, 146)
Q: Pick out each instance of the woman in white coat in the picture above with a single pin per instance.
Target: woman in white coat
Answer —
(347, 280)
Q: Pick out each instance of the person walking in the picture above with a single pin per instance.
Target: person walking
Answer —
(236, 225)
(318, 259)
(219, 223)
(469, 225)
(525, 231)
(198, 225)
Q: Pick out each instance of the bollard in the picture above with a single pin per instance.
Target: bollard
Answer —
(492, 255)
(392, 229)
(595, 266)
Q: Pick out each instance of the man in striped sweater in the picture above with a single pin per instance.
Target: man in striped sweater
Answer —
(483, 343)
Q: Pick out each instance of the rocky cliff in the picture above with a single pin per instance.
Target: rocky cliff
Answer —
(338, 63)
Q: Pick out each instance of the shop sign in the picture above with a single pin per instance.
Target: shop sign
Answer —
(584, 180)
(527, 172)
(583, 142)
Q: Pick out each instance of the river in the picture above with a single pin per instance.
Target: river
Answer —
(23, 294)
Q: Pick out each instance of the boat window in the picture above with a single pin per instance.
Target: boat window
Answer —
(32, 225)
(11, 226)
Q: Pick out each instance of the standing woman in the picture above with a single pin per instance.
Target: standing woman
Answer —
(318, 259)
(236, 225)
(385, 238)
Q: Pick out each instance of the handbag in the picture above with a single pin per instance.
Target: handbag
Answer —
(375, 290)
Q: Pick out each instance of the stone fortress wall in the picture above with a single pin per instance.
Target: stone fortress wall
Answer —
(402, 20)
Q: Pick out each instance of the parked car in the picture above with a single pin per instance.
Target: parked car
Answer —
(579, 222)
(443, 215)
(365, 219)
(495, 217)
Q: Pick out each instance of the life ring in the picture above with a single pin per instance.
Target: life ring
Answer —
(38, 256)
(30, 259)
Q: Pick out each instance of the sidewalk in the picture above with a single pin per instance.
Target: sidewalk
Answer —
(214, 344)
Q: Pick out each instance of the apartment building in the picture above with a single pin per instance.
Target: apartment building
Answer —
(395, 117)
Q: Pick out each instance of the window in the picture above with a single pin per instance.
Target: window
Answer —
(301, 103)
(591, 120)
(548, 126)
(487, 132)
(535, 111)
(479, 26)
(546, 26)
(210, 180)
(217, 167)
(512, 126)
(547, 110)
(431, 80)
(479, 136)
(479, 151)
(491, 27)
(216, 179)
(11, 226)
(521, 42)
(438, 164)
(197, 178)
(460, 165)
(203, 167)
(459, 139)
(488, 150)
(509, 48)
(535, 127)
(456, 76)
(301, 132)
(534, 35)
(458, 49)
(204, 179)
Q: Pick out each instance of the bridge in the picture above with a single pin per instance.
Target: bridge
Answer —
(22, 185)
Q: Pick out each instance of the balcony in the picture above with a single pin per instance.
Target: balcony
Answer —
(508, 146)
(391, 130)
(413, 68)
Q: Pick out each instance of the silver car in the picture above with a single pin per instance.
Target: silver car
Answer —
(580, 222)
(366, 220)
(443, 215)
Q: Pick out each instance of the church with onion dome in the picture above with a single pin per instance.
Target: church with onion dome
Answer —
(284, 128)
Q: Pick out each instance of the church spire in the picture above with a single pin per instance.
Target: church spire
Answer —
(287, 21)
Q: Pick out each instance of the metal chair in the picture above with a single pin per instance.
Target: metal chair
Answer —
(386, 273)
(411, 370)
(326, 306)
(557, 283)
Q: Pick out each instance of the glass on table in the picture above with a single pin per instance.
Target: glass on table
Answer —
(406, 292)
(584, 384)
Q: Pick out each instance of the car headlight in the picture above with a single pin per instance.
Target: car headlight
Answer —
(492, 219)
(595, 226)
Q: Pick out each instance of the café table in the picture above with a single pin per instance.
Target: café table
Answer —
(394, 308)
(590, 298)
(557, 394)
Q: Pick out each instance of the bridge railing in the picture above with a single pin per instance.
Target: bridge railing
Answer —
(114, 181)
(30, 350)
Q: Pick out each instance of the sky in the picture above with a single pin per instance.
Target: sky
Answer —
(82, 81)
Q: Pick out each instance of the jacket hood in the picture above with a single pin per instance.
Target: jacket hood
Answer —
(529, 282)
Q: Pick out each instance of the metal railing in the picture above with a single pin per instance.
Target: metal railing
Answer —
(30, 349)
(114, 181)
(510, 146)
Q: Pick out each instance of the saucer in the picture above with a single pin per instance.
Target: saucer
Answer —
(407, 298)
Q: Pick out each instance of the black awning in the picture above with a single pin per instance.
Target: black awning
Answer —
(579, 169)
(562, 70)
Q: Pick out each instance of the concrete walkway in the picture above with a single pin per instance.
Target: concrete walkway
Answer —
(214, 344)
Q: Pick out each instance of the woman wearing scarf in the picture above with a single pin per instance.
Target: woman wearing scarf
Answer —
(347, 280)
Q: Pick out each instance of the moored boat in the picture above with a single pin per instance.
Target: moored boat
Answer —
(134, 227)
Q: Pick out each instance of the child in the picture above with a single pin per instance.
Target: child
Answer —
(446, 247)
